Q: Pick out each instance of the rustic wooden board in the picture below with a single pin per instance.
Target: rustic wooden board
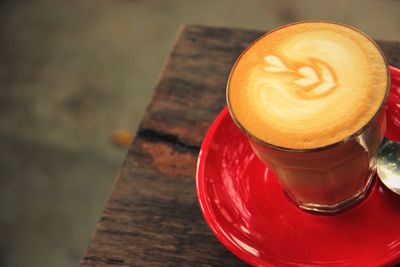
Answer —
(152, 217)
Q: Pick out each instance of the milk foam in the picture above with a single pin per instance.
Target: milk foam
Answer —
(308, 85)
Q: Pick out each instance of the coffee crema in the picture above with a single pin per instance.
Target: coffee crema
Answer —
(307, 85)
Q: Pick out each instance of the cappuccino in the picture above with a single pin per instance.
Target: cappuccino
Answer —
(307, 85)
(310, 96)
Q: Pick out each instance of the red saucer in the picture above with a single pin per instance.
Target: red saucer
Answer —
(246, 209)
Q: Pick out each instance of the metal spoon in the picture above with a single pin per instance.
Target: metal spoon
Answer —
(388, 165)
(389, 152)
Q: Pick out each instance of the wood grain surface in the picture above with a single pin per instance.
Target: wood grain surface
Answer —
(152, 217)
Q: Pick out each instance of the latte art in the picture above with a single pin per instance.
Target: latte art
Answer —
(307, 85)
(321, 83)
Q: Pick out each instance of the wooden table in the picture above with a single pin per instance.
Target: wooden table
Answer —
(152, 217)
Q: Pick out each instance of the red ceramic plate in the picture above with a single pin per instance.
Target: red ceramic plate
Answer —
(246, 209)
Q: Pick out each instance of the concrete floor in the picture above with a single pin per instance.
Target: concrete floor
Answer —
(73, 71)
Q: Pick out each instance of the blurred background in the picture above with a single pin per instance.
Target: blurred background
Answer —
(75, 79)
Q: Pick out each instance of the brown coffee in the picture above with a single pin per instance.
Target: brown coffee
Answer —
(310, 96)
(307, 85)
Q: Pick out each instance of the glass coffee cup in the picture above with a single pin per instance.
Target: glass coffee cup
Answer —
(325, 178)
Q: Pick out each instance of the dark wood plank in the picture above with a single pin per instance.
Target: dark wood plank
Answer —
(152, 217)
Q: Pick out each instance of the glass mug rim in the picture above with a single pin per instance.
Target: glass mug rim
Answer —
(314, 149)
